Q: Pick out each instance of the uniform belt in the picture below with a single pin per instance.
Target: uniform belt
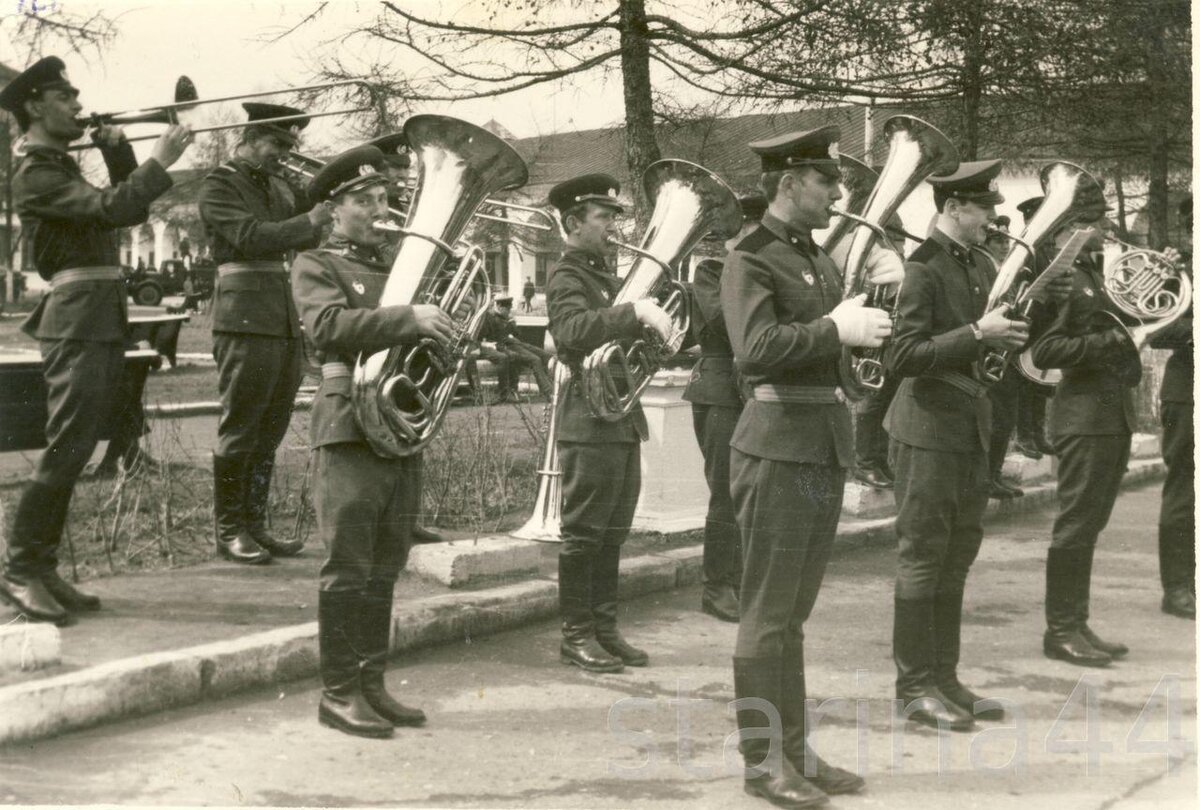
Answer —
(968, 385)
(335, 369)
(800, 394)
(84, 274)
(233, 268)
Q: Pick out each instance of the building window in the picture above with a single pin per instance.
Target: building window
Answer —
(497, 269)
(541, 269)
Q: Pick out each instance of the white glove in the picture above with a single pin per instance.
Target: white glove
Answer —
(650, 314)
(858, 325)
(884, 266)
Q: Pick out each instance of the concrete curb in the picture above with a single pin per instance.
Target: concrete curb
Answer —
(150, 683)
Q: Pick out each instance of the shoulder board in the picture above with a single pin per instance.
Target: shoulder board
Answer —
(224, 168)
(756, 240)
(925, 251)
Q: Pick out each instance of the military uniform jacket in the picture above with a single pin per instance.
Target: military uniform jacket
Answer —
(497, 329)
(714, 379)
(1092, 399)
(337, 288)
(1178, 377)
(250, 216)
(579, 298)
(945, 289)
(70, 224)
(776, 289)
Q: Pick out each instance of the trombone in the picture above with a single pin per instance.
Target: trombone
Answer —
(187, 99)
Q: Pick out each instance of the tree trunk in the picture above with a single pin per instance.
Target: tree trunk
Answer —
(641, 147)
(972, 89)
(1119, 187)
(1157, 207)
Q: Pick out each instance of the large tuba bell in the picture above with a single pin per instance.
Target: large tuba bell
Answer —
(690, 202)
(1068, 190)
(401, 395)
(545, 524)
(858, 181)
(916, 150)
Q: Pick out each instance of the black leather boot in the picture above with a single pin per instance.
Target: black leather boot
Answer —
(913, 650)
(423, 536)
(343, 705)
(31, 552)
(1181, 602)
(375, 627)
(1114, 649)
(229, 507)
(720, 601)
(579, 645)
(67, 595)
(947, 640)
(1064, 640)
(722, 571)
(769, 773)
(829, 779)
(32, 600)
(606, 581)
(258, 497)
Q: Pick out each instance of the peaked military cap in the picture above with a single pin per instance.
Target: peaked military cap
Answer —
(352, 170)
(394, 148)
(502, 300)
(973, 181)
(1002, 221)
(1028, 207)
(816, 147)
(753, 207)
(289, 130)
(48, 73)
(597, 188)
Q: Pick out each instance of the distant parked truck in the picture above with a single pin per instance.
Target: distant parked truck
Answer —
(147, 287)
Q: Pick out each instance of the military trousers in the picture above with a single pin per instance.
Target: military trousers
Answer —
(870, 439)
(1177, 518)
(940, 500)
(788, 514)
(1090, 469)
(366, 508)
(257, 378)
(600, 486)
(1006, 402)
(714, 425)
(1031, 411)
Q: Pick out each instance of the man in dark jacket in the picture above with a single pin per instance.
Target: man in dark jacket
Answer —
(254, 220)
(71, 232)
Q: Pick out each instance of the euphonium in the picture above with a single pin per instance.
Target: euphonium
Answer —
(689, 203)
(545, 524)
(916, 150)
(1068, 191)
(401, 395)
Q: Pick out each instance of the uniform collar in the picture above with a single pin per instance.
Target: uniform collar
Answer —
(364, 253)
(592, 259)
(952, 246)
(256, 172)
(801, 240)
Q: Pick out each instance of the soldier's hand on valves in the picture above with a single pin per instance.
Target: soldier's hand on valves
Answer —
(1171, 255)
(109, 135)
(171, 144)
(1002, 332)
(433, 322)
(650, 314)
(860, 326)
(884, 267)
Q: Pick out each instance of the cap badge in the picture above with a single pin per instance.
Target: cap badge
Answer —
(833, 150)
(1088, 292)
(359, 287)
(993, 185)
(808, 278)
(366, 169)
(62, 76)
(612, 192)
(294, 129)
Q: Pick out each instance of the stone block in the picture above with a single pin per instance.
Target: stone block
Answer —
(459, 563)
(1146, 445)
(1027, 470)
(674, 496)
(689, 564)
(643, 575)
(274, 656)
(863, 501)
(29, 645)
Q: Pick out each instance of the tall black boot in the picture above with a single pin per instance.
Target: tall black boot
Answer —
(947, 639)
(258, 496)
(769, 773)
(913, 650)
(55, 510)
(29, 554)
(793, 694)
(579, 645)
(229, 507)
(1064, 640)
(1083, 601)
(721, 572)
(342, 703)
(375, 634)
(606, 581)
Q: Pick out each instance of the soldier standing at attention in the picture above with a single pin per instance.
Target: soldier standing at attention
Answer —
(787, 323)
(366, 504)
(254, 219)
(601, 472)
(71, 231)
(716, 405)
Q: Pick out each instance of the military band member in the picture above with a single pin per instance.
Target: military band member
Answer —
(601, 472)
(500, 330)
(1177, 518)
(1005, 394)
(1031, 403)
(72, 232)
(254, 219)
(787, 324)
(716, 405)
(366, 505)
(940, 425)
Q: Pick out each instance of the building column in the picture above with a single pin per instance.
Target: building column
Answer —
(160, 238)
(516, 272)
(135, 244)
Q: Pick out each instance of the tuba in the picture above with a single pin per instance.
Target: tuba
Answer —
(858, 180)
(690, 202)
(545, 524)
(401, 395)
(916, 150)
(1068, 190)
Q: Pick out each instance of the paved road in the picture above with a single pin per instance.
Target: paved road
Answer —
(510, 727)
